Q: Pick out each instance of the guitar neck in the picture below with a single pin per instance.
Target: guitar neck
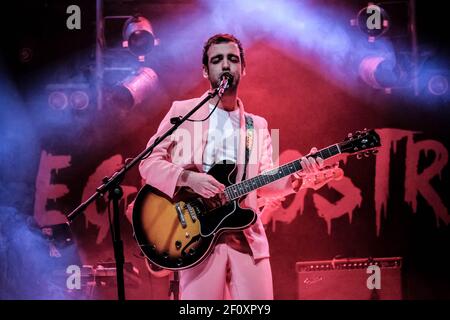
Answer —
(242, 188)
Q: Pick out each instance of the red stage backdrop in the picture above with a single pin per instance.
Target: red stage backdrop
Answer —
(394, 204)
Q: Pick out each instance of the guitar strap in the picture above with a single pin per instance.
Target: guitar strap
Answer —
(248, 142)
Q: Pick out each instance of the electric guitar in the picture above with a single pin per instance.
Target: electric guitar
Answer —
(314, 181)
(178, 233)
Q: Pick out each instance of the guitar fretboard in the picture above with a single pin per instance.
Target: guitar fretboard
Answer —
(242, 188)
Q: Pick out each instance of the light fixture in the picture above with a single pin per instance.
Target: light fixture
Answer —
(438, 85)
(372, 21)
(73, 95)
(79, 100)
(138, 36)
(378, 72)
(57, 100)
(140, 84)
(433, 84)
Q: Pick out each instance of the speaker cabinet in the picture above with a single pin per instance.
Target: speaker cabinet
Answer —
(350, 279)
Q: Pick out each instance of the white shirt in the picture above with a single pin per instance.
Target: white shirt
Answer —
(223, 137)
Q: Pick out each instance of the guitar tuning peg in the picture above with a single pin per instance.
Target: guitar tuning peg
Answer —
(359, 156)
(374, 151)
(367, 154)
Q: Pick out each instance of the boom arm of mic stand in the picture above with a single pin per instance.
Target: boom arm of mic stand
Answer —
(112, 186)
(108, 182)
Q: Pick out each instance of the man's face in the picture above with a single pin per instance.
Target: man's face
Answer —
(223, 57)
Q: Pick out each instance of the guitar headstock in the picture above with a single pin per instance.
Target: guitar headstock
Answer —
(363, 143)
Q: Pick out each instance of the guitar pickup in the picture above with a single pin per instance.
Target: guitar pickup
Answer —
(191, 211)
(180, 215)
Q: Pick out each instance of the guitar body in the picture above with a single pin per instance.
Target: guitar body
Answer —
(170, 244)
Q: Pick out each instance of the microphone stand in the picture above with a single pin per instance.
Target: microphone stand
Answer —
(174, 286)
(111, 185)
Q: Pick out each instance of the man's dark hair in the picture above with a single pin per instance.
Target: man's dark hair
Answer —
(222, 38)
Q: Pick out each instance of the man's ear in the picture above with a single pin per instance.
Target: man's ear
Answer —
(243, 71)
(205, 73)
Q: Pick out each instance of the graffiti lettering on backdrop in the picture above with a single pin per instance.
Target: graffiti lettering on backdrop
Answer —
(45, 191)
(351, 199)
(415, 183)
(95, 215)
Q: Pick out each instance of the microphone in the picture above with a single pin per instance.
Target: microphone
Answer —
(226, 79)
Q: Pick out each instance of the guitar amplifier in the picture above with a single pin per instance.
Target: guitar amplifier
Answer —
(350, 279)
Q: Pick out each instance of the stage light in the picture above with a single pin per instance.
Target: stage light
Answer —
(57, 100)
(433, 84)
(25, 55)
(79, 100)
(138, 36)
(63, 95)
(373, 20)
(140, 84)
(133, 90)
(438, 85)
(378, 72)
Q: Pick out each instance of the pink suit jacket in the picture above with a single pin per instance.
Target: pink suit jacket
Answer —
(184, 150)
